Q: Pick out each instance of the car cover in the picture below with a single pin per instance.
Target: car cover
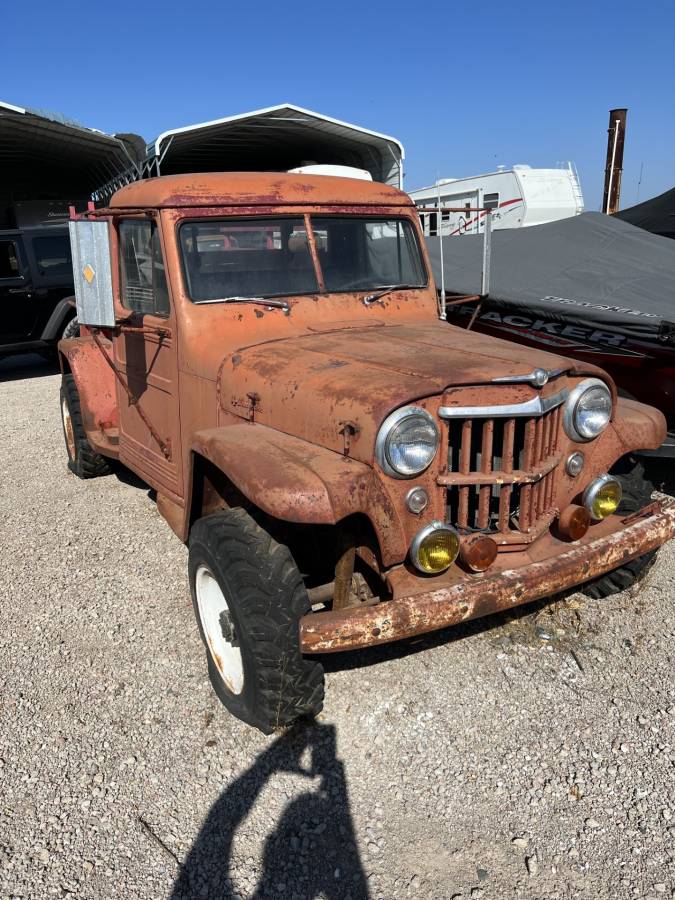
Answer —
(590, 269)
(656, 215)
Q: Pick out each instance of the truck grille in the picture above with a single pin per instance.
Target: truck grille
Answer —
(501, 471)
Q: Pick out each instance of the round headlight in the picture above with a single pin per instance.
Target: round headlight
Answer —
(407, 442)
(588, 410)
(434, 548)
(602, 497)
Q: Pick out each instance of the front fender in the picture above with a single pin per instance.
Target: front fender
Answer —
(296, 481)
(638, 426)
(95, 383)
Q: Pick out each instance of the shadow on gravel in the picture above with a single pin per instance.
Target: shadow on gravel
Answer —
(311, 852)
(30, 365)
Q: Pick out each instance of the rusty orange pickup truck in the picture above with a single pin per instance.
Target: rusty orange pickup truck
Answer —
(264, 350)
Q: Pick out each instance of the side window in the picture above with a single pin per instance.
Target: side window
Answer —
(490, 201)
(9, 260)
(53, 255)
(143, 279)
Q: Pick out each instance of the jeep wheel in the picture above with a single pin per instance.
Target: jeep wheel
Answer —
(72, 330)
(83, 460)
(248, 597)
(637, 493)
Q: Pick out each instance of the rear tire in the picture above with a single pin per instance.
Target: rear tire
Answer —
(248, 597)
(637, 493)
(83, 460)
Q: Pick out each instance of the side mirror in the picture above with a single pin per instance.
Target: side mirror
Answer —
(90, 245)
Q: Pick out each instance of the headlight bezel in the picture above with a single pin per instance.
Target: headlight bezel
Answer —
(571, 404)
(592, 490)
(392, 421)
(425, 532)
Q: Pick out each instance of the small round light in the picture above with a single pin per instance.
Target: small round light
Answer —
(574, 464)
(574, 522)
(417, 500)
(539, 377)
(478, 551)
(435, 548)
(602, 497)
(588, 410)
(407, 442)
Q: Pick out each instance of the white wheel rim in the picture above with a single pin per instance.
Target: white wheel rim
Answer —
(68, 428)
(214, 615)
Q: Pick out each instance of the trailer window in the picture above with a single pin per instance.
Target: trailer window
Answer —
(53, 254)
(249, 257)
(490, 201)
(9, 260)
(143, 278)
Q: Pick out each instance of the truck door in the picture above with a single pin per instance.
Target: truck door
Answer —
(146, 356)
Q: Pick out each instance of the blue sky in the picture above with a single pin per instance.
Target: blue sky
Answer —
(464, 86)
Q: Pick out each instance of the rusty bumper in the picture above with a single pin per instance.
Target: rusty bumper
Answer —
(480, 595)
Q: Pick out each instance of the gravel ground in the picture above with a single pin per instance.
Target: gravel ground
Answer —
(529, 756)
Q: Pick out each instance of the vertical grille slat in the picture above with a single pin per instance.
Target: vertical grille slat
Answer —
(487, 447)
(485, 467)
(465, 468)
(507, 467)
(528, 460)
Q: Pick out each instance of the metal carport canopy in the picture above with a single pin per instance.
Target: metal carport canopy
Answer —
(276, 139)
(44, 155)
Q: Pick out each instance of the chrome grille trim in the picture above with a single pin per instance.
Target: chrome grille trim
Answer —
(535, 407)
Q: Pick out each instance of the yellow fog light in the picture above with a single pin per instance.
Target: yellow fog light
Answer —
(602, 497)
(434, 548)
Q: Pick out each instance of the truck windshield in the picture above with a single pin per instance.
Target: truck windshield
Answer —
(268, 257)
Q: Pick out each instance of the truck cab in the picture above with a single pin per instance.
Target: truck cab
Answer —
(265, 351)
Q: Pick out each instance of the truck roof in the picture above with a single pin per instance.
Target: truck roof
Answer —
(255, 189)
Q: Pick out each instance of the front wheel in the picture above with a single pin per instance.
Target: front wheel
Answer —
(636, 494)
(248, 597)
(83, 460)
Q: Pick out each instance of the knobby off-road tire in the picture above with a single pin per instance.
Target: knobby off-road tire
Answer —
(637, 493)
(83, 460)
(72, 329)
(248, 597)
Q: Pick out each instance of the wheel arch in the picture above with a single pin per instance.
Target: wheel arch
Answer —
(288, 481)
(95, 384)
(62, 313)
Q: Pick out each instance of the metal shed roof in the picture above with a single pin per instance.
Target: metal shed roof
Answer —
(44, 154)
(277, 138)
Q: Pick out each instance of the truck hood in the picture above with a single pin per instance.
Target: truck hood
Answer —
(312, 385)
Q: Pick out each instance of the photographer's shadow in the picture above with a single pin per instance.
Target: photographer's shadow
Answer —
(312, 851)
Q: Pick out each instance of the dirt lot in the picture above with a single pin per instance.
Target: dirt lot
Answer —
(525, 757)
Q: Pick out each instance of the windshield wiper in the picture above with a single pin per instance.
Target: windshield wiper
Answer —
(385, 289)
(274, 302)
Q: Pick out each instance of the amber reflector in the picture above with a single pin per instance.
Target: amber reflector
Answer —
(479, 552)
(574, 522)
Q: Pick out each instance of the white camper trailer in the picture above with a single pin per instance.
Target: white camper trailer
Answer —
(518, 197)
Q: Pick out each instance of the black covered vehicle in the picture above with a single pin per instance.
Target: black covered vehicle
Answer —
(592, 287)
(36, 289)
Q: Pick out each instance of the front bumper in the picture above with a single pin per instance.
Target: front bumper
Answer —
(349, 629)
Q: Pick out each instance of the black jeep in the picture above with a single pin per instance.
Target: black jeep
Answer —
(36, 288)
